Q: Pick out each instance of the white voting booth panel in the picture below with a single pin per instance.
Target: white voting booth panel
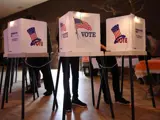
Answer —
(79, 32)
(125, 33)
(6, 49)
(26, 36)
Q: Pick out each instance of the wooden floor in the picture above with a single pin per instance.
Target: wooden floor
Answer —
(41, 108)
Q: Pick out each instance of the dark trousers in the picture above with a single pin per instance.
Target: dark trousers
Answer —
(46, 71)
(74, 64)
(111, 63)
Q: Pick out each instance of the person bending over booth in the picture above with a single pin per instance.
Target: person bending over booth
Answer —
(111, 62)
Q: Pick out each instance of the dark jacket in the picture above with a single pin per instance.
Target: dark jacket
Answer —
(103, 34)
(57, 38)
(49, 43)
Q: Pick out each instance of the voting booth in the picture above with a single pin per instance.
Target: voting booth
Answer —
(5, 37)
(25, 36)
(79, 32)
(126, 33)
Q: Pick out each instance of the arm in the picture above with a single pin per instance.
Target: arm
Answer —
(49, 42)
(57, 38)
(103, 47)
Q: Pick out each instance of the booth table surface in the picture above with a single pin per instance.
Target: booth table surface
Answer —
(119, 61)
(114, 53)
(153, 64)
(24, 55)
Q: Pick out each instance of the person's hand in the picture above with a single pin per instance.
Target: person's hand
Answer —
(103, 47)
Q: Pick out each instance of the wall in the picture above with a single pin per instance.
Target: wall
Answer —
(49, 11)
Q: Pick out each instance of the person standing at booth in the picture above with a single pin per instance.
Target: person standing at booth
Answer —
(45, 63)
(149, 46)
(74, 64)
(110, 62)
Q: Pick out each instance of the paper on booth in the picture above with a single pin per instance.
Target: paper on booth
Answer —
(79, 32)
(125, 33)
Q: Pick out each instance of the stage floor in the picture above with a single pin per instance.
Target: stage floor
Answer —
(41, 108)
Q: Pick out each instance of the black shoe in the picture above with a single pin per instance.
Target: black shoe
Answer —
(47, 93)
(78, 103)
(68, 108)
(106, 99)
(30, 91)
(122, 100)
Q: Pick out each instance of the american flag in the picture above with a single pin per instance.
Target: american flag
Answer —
(63, 27)
(116, 31)
(82, 24)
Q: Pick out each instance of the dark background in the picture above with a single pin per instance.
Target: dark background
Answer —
(49, 11)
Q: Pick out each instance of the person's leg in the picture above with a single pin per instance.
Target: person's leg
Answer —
(116, 81)
(68, 96)
(36, 71)
(48, 81)
(75, 81)
(112, 63)
(75, 76)
(102, 80)
(37, 76)
(104, 88)
(39, 79)
(63, 68)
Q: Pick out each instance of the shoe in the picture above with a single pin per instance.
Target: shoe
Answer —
(47, 93)
(122, 101)
(30, 91)
(106, 100)
(78, 103)
(68, 108)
